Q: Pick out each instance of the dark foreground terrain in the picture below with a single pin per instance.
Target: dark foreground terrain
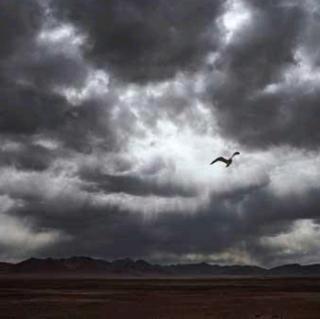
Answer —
(160, 298)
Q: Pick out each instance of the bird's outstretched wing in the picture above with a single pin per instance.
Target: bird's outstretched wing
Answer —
(219, 159)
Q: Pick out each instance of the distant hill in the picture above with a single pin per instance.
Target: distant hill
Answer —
(5, 267)
(86, 266)
(296, 270)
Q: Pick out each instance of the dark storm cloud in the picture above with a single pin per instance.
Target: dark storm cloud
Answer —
(28, 157)
(141, 40)
(135, 185)
(111, 232)
(34, 71)
(89, 125)
(258, 56)
(235, 220)
(125, 208)
(47, 70)
(30, 71)
(28, 111)
(26, 60)
(19, 25)
(19, 21)
(31, 103)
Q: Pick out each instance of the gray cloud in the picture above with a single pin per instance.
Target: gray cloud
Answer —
(135, 185)
(26, 111)
(111, 232)
(111, 112)
(256, 105)
(19, 23)
(27, 157)
(140, 41)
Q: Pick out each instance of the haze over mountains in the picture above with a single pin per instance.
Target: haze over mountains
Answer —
(79, 266)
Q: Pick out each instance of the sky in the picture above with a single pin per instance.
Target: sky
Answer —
(111, 111)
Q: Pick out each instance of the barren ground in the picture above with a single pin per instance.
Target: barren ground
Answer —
(160, 298)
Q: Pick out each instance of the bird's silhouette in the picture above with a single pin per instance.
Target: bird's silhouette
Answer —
(227, 161)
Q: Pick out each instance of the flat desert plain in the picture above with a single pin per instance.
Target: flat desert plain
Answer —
(237, 298)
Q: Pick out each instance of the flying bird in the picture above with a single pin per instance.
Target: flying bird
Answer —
(227, 161)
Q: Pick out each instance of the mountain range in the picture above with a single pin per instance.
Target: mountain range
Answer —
(86, 266)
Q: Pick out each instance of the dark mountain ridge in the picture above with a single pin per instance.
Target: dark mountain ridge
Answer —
(78, 266)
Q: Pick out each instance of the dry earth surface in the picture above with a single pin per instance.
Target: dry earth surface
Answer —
(237, 298)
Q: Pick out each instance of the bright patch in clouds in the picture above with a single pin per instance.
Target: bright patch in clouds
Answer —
(16, 233)
(64, 34)
(236, 16)
(304, 237)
